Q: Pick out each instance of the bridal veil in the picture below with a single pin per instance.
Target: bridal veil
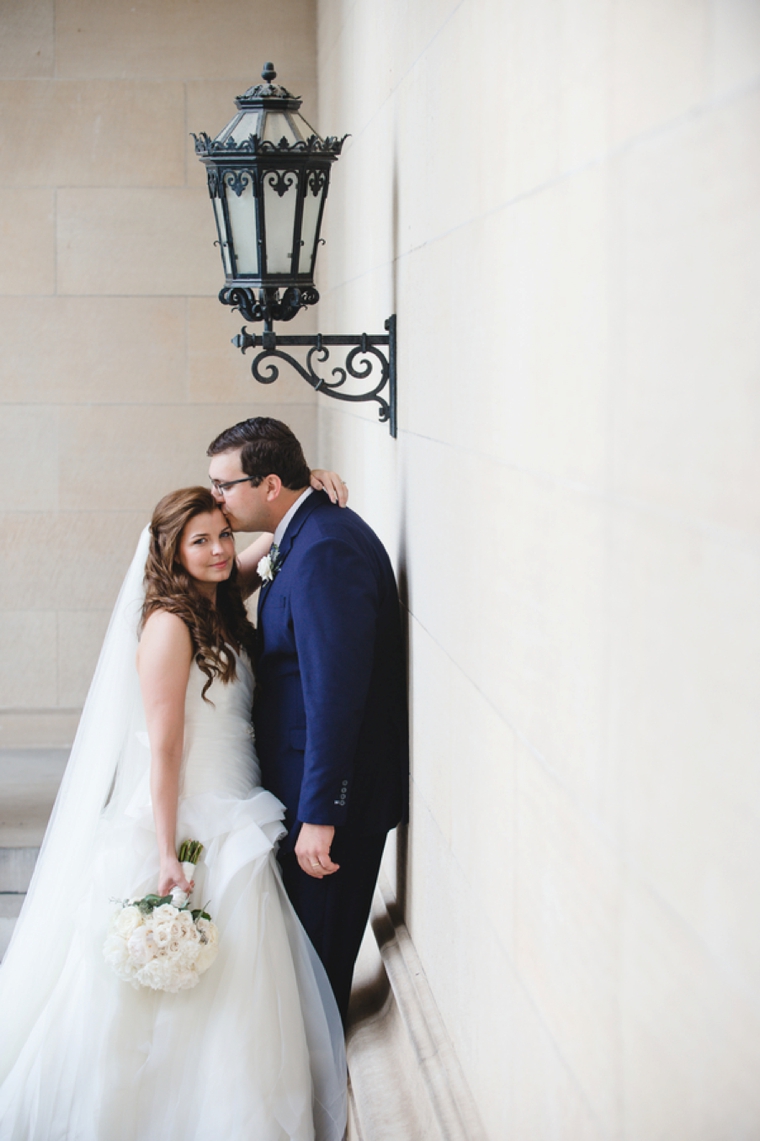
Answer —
(104, 767)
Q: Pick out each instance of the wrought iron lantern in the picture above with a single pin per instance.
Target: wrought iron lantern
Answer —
(268, 175)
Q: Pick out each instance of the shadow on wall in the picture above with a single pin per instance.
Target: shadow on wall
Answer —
(402, 832)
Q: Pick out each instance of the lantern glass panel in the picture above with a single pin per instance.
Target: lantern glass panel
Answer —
(223, 244)
(247, 125)
(303, 129)
(309, 223)
(279, 218)
(276, 126)
(242, 212)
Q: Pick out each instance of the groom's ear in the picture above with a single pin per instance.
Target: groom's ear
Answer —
(273, 485)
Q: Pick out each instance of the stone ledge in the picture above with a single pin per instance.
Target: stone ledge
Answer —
(406, 1081)
(38, 728)
(11, 903)
(29, 782)
(7, 923)
(16, 870)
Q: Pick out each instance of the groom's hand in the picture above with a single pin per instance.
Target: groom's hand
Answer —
(313, 850)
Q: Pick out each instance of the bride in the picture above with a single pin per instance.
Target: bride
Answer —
(164, 753)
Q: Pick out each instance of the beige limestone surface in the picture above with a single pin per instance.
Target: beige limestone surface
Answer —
(561, 202)
(117, 368)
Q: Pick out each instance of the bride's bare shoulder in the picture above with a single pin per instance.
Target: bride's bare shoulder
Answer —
(164, 635)
(164, 657)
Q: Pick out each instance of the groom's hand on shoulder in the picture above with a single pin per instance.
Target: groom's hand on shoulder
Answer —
(313, 850)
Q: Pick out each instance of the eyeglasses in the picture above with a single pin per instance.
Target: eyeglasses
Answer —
(220, 488)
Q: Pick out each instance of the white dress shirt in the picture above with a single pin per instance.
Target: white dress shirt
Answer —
(284, 523)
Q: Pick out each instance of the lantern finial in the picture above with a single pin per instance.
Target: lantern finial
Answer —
(268, 72)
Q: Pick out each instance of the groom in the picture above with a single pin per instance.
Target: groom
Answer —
(330, 711)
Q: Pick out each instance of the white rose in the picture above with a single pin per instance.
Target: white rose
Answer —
(162, 974)
(188, 925)
(162, 935)
(153, 974)
(164, 914)
(127, 920)
(187, 956)
(208, 931)
(190, 945)
(187, 978)
(264, 569)
(205, 959)
(116, 954)
(209, 935)
(163, 923)
(142, 946)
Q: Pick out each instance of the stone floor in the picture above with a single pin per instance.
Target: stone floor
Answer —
(406, 1083)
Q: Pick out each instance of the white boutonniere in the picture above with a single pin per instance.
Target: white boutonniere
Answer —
(268, 567)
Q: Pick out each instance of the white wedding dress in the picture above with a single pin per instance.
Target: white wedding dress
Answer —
(255, 1051)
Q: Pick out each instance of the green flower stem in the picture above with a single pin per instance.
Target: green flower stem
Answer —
(190, 851)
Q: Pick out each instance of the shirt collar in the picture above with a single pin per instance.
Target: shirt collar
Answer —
(284, 523)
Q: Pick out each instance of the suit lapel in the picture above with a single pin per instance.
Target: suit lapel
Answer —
(262, 595)
(316, 499)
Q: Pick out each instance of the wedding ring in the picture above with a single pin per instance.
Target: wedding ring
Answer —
(316, 865)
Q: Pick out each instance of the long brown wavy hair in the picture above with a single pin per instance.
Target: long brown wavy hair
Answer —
(168, 586)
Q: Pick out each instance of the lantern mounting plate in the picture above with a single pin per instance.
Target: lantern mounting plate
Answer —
(363, 361)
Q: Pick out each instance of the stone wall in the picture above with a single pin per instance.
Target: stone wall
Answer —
(561, 202)
(116, 367)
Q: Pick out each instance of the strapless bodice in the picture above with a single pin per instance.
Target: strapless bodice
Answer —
(218, 754)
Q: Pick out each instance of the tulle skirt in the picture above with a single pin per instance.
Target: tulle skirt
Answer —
(253, 1053)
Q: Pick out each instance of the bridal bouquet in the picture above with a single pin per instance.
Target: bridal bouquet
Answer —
(159, 941)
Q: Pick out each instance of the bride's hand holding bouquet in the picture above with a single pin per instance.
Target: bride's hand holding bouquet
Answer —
(173, 878)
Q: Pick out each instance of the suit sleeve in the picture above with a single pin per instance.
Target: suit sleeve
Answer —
(334, 620)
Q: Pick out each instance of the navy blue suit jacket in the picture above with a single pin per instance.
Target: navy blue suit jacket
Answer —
(330, 712)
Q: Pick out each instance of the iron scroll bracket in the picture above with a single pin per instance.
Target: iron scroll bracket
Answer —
(364, 361)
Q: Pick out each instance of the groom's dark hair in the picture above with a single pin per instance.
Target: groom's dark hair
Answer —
(267, 447)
